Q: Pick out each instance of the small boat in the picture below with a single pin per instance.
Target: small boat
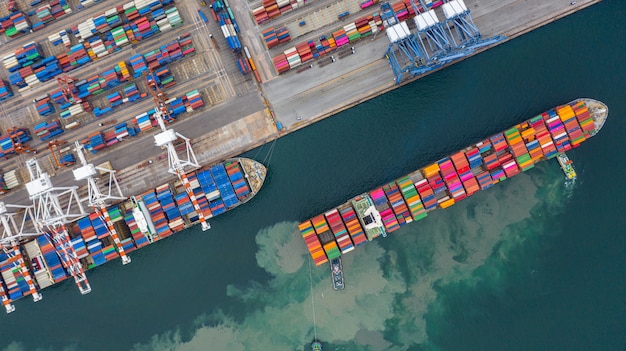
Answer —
(336, 270)
(316, 345)
(566, 165)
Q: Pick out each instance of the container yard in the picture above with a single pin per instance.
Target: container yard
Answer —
(441, 184)
(116, 75)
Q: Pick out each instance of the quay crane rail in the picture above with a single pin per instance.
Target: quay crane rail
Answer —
(166, 138)
(14, 220)
(53, 208)
(97, 199)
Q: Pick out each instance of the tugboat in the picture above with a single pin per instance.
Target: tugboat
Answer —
(316, 345)
(336, 271)
(566, 166)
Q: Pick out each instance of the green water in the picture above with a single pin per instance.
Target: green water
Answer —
(527, 265)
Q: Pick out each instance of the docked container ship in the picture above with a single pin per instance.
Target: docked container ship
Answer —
(154, 215)
(452, 179)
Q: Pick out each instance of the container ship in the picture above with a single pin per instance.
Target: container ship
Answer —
(29, 266)
(453, 178)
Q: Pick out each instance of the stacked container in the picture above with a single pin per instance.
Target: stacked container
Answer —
(156, 214)
(312, 243)
(48, 130)
(327, 239)
(138, 237)
(6, 142)
(386, 213)
(412, 198)
(5, 91)
(51, 258)
(353, 225)
(339, 230)
(557, 130)
(568, 117)
(237, 180)
(164, 195)
(14, 280)
(397, 203)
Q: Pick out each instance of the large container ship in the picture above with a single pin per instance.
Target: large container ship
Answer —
(154, 215)
(452, 179)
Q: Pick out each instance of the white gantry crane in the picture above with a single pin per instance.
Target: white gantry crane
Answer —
(97, 199)
(166, 138)
(14, 220)
(53, 208)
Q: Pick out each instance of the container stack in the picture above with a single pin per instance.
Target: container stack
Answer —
(94, 142)
(426, 193)
(94, 246)
(138, 237)
(274, 8)
(157, 214)
(131, 92)
(557, 130)
(164, 195)
(386, 213)
(304, 51)
(339, 230)
(6, 143)
(237, 180)
(47, 131)
(193, 100)
(584, 118)
(412, 198)
(11, 179)
(227, 193)
(465, 173)
(16, 286)
(312, 243)
(51, 259)
(5, 91)
(397, 203)
(138, 64)
(198, 191)
(229, 32)
(354, 226)
(143, 121)
(281, 64)
(568, 117)
(15, 24)
(273, 37)
(452, 180)
(327, 239)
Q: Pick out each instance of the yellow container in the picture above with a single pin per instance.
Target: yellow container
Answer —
(431, 170)
(447, 203)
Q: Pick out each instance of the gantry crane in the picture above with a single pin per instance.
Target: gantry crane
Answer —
(166, 138)
(97, 199)
(62, 157)
(13, 231)
(53, 207)
(66, 83)
(404, 53)
(16, 140)
(433, 32)
(462, 29)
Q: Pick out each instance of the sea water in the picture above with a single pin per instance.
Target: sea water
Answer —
(530, 264)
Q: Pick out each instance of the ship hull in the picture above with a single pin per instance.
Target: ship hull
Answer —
(454, 178)
(140, 221)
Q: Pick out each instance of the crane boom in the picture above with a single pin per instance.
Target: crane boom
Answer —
(11, 235)
(166, 138)
(98, 200)
(50, 216)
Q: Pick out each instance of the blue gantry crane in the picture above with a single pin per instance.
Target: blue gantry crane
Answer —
(431, 33)
(404, 53)
(462, 29)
